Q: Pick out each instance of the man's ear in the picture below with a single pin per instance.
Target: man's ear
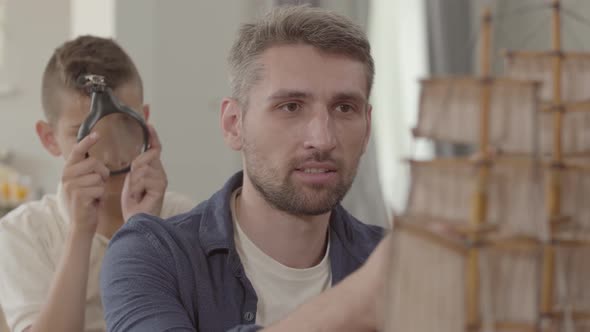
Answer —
(368, 131)
(146, 112)
(47, 137)
(231, 123)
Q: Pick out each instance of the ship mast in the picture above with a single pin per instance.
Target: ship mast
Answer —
(554, 190)
(479, 209)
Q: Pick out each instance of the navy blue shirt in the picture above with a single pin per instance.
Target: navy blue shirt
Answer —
(184, 274)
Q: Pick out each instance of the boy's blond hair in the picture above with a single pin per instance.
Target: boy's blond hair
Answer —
(81, 56)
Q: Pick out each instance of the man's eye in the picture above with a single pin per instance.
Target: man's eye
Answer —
(290, 107)
(345, 108)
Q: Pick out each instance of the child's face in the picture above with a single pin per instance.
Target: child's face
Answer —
(74, 110)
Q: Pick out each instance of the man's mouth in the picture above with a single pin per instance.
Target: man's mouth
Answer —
(315, 170)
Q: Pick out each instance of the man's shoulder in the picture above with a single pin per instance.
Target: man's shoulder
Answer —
(200, 228)
(171, 227)
(176, 203)
(359, 228)
(360, 238)
(372, 233)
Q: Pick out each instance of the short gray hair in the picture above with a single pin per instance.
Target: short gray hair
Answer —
(328, 31)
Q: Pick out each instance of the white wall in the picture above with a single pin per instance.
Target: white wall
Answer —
(34, 28)
(95, 17)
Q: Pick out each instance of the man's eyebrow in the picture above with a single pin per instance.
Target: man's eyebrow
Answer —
(286, 94)
(354, 96)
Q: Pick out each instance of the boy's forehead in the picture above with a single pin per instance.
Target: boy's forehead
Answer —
(74, 106)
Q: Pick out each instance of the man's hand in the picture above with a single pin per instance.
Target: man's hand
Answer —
(373, 278)
(146, 183)
(83, 182)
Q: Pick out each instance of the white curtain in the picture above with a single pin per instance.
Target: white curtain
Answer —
(397, 30)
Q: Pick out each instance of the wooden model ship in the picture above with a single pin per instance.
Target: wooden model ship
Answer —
(500, 240)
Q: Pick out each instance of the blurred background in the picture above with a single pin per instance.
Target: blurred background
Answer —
(180, 47)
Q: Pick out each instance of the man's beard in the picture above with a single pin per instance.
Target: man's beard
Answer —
(295, 198)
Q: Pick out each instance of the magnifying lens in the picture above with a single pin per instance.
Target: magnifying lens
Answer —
(123, 133)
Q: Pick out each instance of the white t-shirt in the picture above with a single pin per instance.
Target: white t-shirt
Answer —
(32, 239)
(280, 289)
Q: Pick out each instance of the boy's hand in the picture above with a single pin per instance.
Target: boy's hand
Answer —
(83, 182)
(145, 185)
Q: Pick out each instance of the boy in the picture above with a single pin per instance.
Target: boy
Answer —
(51, 250)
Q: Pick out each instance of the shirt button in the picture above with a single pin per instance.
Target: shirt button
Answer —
(249, 316)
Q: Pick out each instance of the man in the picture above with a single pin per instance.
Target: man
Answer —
(51, 250)
(275, 236)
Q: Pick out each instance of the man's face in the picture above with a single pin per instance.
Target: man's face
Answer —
(305, 128)
(74, 110)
